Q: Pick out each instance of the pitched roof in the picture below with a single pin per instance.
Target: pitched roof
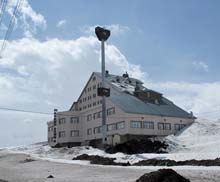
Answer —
(123, 96)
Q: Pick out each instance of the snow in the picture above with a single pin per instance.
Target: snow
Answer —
(123, 86)
(199, 141)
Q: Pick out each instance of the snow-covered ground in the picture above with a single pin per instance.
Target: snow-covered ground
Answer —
(199, 141)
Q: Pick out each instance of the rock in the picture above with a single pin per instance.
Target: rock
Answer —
(167, 162)
(95, 159)
(137, 147)
(27, 160)
(162, 175)
(50, 176)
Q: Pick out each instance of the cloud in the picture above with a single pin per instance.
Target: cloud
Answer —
(46, 74)
(37, 75)
(61, 23)
(201, 98)
(22, 128)
(27, 19)
(200, 65)
(116, 29)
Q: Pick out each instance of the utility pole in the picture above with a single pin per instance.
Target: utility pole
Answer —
(102, 35)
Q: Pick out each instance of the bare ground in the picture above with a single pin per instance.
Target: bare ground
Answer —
(16, 167)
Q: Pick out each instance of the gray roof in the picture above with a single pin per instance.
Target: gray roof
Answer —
(132, 104)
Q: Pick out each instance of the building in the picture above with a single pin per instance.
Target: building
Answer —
(133, 111)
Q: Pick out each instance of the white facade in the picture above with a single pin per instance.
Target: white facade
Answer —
(82, 123)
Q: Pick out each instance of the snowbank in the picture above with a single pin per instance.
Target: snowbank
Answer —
(199, 141)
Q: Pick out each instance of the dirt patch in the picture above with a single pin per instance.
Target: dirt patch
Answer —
(95, 159)
(167, 162)
(27, 160)
(162, 175)
(138, 147)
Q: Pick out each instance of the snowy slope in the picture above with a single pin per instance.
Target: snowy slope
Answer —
(199, 141)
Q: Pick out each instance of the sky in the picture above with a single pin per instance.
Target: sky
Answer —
(172, 46)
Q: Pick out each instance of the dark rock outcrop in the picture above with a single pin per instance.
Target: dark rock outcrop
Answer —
(138, 147)
(95, 159)
(167, 162)
(27, 160)
(162, 175)
(50, 176)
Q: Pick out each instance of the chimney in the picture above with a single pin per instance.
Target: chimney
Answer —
(106, 73)
(125, 75)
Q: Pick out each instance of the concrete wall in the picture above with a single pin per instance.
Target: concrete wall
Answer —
(50, 133)
(68, 127)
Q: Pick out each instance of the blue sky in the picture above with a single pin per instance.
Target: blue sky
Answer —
(172, 46)
(164, 37)
(167, 44)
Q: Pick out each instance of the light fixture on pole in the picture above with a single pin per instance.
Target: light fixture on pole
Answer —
(103, 34)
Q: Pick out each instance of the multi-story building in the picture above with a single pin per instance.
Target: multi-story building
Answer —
(133, 111)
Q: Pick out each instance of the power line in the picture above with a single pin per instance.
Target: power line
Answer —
(209, 112)
(2, 9)
(26, 111)
(11, 25)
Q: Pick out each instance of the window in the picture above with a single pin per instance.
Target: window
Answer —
(62, 120)
(89, 131)
(148, 124)
(94, 103)
(111, 111)
(50, 128)
(89, 117)
(74, 120)
(97, 115)
(178, 127)
(89, 89)
(182, 126)
(111, 127)
(94, 78)
(97, 130)
(135, 124)
(94, 95)
(74, 133)
(120, 125)
(62, 134)
(160, 126)
(94, 87)
(167, 126)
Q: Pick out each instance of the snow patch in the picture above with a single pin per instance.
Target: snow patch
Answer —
(199, 141)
